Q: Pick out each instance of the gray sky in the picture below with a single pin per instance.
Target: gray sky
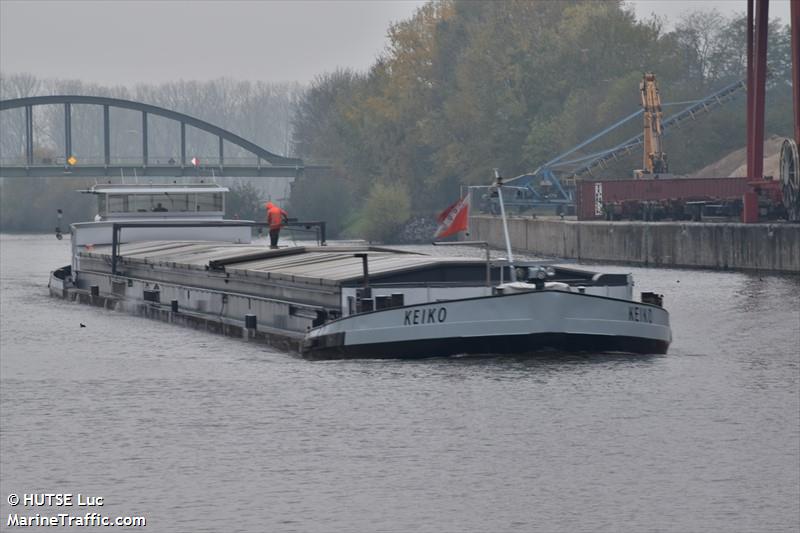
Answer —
(124, 42)
(673, 9)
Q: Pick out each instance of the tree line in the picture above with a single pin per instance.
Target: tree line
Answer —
(462, 87)
(465, 87)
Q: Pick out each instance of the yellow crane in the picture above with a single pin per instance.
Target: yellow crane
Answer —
(655, 160)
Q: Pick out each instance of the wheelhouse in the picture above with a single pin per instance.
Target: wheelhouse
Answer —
(118, 202)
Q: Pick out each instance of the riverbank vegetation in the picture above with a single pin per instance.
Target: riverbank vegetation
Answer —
(462, 87)
(468, 86)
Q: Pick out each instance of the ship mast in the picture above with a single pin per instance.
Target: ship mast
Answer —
(498, 183)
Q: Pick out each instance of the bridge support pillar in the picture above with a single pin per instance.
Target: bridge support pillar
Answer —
(106, 136)
(67, 133)
(183, 145)
(29, 135)
(144, 139)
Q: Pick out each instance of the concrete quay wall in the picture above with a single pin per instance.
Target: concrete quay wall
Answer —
(771, 247)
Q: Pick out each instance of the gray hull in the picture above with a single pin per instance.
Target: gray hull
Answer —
(506, 324)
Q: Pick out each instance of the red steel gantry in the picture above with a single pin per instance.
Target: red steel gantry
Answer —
(756, 34)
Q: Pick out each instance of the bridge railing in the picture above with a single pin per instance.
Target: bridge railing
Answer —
(156, 160)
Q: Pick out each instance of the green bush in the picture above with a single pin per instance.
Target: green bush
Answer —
(387, 208)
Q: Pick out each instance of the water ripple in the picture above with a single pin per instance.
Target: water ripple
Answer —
(205, 433)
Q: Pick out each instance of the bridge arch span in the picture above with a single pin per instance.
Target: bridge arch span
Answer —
(275, 165)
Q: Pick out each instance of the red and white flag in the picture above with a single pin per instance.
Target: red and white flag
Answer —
(195, 162)
(453, 219)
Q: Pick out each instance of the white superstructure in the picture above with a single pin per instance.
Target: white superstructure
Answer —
(162, 204)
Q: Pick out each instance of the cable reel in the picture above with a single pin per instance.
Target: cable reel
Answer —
(790, 179)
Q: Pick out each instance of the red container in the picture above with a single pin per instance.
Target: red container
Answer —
(592, 195)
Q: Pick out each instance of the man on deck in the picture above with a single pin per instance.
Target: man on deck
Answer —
(276, 218)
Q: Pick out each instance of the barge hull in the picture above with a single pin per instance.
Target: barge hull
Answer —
(283, 340)
(517, 323)
(507, 344)
(313, 301)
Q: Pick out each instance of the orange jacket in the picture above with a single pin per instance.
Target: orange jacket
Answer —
(276, 216)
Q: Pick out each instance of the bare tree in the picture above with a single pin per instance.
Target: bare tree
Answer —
(700, 33)
(12, 124)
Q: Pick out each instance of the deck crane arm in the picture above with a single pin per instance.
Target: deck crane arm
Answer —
(655, 160)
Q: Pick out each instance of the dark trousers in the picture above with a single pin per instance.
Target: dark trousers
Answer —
(273, 237)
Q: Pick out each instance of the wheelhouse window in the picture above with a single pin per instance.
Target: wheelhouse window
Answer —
(179, 202)
(138, 203)
(209, 202)
(118, 203)
(176, 202)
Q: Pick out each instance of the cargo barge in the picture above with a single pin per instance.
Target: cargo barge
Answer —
(165, 252)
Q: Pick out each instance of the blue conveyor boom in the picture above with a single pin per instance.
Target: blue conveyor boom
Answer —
(579, 167)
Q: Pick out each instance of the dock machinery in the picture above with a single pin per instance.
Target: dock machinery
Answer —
(655, 160)
(552, 185)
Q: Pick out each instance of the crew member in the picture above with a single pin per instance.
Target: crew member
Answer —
(276, 218)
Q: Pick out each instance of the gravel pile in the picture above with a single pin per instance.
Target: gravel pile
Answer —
(418, 230)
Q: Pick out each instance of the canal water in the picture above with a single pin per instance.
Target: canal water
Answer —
(198, 433)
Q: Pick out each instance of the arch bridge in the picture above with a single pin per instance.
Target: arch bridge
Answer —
(264, 163)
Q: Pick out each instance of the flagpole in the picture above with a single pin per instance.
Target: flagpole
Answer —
(499, 185)
(469, 209)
